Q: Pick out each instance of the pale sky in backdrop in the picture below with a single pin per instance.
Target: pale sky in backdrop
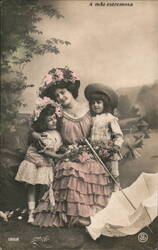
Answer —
(117, 46)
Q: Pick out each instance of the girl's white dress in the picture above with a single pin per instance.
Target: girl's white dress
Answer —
(37, 168)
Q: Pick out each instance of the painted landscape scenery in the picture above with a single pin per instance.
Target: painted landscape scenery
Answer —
(115, 46)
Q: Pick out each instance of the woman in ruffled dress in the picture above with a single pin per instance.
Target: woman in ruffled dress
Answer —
(81, 187)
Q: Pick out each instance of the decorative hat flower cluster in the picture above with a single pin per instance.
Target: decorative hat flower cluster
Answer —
(41, 103)
(56, 75)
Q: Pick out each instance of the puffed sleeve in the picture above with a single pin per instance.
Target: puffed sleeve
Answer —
(52, 141)
(116, 132)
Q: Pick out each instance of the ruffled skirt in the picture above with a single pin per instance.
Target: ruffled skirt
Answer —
(80, 190)
(29, 173)
(35, 169)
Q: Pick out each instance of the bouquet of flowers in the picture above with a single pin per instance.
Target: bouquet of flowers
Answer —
(82, 153)
(104, 150)
(77, 153)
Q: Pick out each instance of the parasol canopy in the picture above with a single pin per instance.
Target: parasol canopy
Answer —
(120, 218)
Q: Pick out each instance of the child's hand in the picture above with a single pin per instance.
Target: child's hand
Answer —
(116, 148)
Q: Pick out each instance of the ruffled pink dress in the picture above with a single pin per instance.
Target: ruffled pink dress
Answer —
(80, 189)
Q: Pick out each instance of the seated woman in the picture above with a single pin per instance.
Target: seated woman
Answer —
(81, 185)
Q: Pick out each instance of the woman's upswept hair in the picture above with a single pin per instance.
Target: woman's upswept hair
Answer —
(72, 88)
(106, 100)
(40, 125)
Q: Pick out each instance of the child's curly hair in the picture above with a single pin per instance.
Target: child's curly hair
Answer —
(40, 125)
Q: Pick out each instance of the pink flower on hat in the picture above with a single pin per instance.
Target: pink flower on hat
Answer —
(47, 100)
(56, 75)
(39, 101)
(43, 101)
(59, 74)
(48, 79)
(75, 77)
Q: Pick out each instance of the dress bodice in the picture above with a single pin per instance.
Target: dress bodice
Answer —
(75, 129)
(106, 128)
(52, 139)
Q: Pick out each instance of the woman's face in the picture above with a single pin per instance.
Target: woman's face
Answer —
(51, 122)
(63, 96)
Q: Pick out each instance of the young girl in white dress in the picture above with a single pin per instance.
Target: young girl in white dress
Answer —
(37, 167)
(102, 101)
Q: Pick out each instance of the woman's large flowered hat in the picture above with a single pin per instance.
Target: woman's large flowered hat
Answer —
(95, 88)
(55, 77)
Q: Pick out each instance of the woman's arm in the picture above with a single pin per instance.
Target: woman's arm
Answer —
(37, 138)
(53, 154)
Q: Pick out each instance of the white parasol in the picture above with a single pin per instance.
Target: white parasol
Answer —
(119, 218)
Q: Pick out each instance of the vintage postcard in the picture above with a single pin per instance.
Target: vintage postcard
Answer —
(79, 124)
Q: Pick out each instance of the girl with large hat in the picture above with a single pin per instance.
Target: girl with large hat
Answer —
(102, 102)
(81, 185)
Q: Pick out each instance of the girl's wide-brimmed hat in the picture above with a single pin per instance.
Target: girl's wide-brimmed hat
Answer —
(55, 77)
(96, 88)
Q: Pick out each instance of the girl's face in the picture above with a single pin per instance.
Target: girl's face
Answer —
(97, 106)
(51, 122)
(64, 97)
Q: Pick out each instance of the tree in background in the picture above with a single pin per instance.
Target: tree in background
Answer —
(124, 106)
(147, 99)
(20, 41)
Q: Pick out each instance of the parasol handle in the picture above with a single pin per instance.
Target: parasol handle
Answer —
(107, 170)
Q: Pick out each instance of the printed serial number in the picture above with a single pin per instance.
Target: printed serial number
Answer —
(13, 239)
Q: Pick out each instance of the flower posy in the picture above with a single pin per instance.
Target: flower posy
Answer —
(41, 103)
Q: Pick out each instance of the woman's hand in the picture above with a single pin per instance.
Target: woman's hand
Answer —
(38, 140)
(53, 154)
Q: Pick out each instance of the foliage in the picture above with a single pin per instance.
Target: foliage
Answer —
(20, 41)
(124, 106)
(147, 98)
